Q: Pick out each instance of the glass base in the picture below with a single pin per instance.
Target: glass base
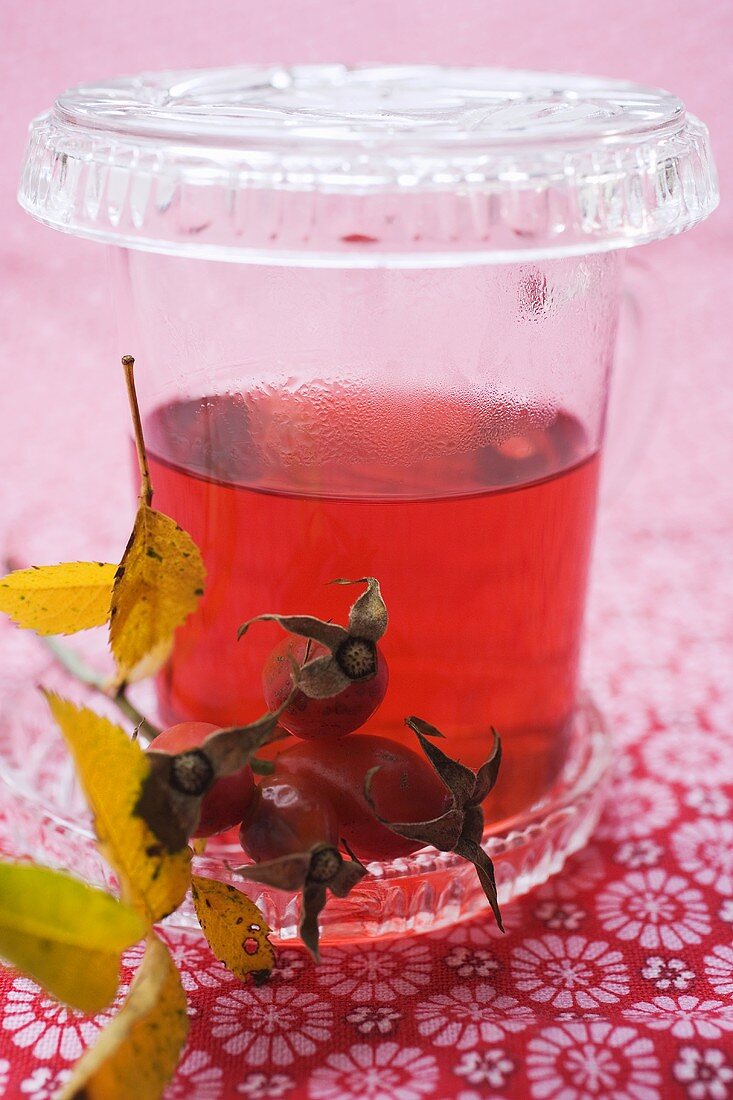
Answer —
(46, 819)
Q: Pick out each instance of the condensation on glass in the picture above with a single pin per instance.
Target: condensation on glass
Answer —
(375, 312)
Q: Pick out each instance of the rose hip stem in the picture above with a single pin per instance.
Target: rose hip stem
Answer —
(315, 872)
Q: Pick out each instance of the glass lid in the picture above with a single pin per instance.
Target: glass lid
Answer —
(390, 164)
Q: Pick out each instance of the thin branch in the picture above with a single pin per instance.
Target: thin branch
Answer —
(77, 667)
(146, 485)
(146, 731)
(70, 660)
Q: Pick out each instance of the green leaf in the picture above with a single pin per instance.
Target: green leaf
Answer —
(66, 936)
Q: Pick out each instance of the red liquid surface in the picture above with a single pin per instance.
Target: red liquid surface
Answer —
(478, 525)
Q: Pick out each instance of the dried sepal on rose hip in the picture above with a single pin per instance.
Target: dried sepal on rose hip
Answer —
(314, 873)
(227, 799)
(460, 828)
(172, 795)
(352, 655)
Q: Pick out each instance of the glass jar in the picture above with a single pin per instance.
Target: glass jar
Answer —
(374, 313)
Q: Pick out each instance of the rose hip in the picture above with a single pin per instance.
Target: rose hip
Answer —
(224, 805)
(316, 719)
(286, 816)
(406, 788)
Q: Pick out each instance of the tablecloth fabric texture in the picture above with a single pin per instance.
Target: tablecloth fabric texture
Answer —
(616, 978)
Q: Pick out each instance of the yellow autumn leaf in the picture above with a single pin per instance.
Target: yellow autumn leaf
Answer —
(137, 1053)
(153, 864)
(59, 599)
(234, 928)
(65, 935)
(158, 584)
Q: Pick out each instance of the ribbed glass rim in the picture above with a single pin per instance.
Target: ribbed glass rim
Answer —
(373, 165)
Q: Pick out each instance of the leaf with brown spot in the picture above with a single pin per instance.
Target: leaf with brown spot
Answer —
(158, 584)
(149, 853)
(234, 928)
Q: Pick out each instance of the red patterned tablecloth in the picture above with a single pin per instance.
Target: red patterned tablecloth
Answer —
(616, 978)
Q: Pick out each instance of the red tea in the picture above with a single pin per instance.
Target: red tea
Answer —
(477, 521)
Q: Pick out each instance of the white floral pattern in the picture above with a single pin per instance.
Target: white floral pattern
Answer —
(376, 974)
(700, 757)
(557, 915)
(491, 1067)
(374, 1019)
(266, 1086)
(582, 1060)
(471, 962)
(656, 909)
(639, 853)
(469, 1016)
(635, 808)
(289, 966)
(197, 966)
(710, 801)
(719, 970)
(704, 848)
(44, 1083)
(46, 1027)
(569, 971)
(382, 1072)
(275, 1024)
(198, 1078)
(667, 973)
(726, 910)
(706, 1074)
(684, 1016)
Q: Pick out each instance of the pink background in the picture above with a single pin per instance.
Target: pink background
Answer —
(661, 616)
